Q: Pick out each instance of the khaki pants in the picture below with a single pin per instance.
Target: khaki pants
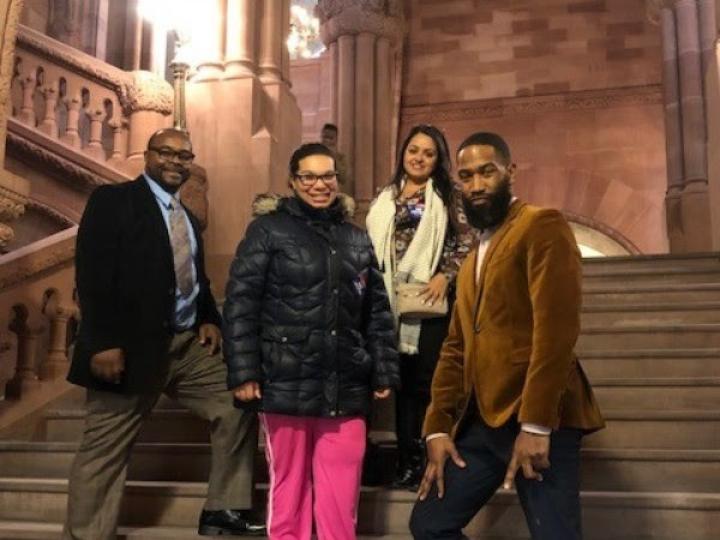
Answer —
(113, 421)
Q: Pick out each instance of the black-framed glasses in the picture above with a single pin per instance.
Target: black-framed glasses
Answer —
(168, 154)
(309, 179)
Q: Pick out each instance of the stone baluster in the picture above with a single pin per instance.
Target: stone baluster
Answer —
(48, 125)
(55, 364)
(26, 370)
(119, 148)
(71, 137)
(94, 147)
(27, 109)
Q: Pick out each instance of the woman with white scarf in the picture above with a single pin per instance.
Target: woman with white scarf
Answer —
(411, 227)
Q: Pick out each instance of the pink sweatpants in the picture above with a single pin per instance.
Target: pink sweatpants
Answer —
(316, 459)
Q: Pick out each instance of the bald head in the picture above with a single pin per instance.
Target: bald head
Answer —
(157, 138)
(168, 158)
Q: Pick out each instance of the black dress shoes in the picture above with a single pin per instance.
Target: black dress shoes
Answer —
(230, 523)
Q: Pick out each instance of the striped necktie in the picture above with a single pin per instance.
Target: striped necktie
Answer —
(180, 241)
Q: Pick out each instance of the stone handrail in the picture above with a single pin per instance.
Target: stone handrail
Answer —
(37, 312)
(85, 104)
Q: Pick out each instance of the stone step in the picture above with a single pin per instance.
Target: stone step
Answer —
(658, 362)
(658, 394)
(604, 469)
(649, 275)
(655, 336)
(27, 530)
(650, 293)
(661, 516)
(163, 425)
(648, 314)
(660, 429)
(659, 263)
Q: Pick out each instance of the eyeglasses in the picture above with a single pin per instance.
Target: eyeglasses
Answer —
(309, 179)
(167, 154)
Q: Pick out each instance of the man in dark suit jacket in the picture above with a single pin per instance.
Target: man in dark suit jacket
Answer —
(150, 326)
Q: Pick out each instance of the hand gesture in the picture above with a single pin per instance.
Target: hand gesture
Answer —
(438, 452)
(531, 453)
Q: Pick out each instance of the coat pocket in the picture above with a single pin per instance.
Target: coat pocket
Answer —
(283, 350)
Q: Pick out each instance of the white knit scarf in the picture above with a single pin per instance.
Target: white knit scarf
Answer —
(421, 259)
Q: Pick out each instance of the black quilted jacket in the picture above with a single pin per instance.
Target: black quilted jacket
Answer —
(306, 312)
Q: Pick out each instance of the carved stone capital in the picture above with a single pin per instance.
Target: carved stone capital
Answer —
(147, 92)
(383, 18)
(14, 193)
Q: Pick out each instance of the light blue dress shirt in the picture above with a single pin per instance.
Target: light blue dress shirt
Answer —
(185, 306)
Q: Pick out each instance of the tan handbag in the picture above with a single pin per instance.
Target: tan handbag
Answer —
(410, 305)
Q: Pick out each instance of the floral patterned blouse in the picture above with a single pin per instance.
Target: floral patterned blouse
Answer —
(459, 240)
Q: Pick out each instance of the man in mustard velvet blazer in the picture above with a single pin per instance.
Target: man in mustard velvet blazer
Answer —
(510, 402)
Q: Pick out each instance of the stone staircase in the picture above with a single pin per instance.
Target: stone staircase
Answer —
(650, 344)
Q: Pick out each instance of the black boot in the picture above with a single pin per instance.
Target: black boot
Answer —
(411, 468)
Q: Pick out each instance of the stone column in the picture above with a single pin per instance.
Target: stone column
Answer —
(26, 368)
(673, 130)
(243, 125)
(272, 41)
(367, 35)
(208, 40)
(240, 59)
(56, 363)
(695, 200)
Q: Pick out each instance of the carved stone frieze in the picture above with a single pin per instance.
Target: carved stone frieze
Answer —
(384, 18)
(592, 99)
(137, 91)
(61, 167)
(48, 211)
(7, 235)
(12, 204)
(53, 252)
(10, 22)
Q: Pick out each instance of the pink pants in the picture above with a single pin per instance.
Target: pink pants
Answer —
(313, 460)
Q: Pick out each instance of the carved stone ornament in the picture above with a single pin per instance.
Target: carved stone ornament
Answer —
(147, 92)
(12, 205)
(384, 18)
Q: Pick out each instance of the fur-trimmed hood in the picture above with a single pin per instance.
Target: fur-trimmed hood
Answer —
(268, 203)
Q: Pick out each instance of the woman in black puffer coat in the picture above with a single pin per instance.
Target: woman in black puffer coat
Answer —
(309, 337)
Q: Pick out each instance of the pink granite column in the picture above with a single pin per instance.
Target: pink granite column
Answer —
(208, 40)
(271, 42)
(367, 35)
(673, 130)
(364, 162)
(240, 50)
(695, 202)
(346, 100)
(383, 111)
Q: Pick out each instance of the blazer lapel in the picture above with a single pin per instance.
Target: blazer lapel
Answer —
(496, 239)
(156, 228)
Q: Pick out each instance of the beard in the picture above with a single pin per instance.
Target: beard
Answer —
(494, 211)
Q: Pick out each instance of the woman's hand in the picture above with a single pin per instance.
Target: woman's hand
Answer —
(248, 391)
(436, 289)
(383, 393)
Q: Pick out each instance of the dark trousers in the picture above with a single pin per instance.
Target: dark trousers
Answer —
(552, 507)
(412, 400)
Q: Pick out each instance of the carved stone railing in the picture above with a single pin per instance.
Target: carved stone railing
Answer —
(88, 106)
(37, 315)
